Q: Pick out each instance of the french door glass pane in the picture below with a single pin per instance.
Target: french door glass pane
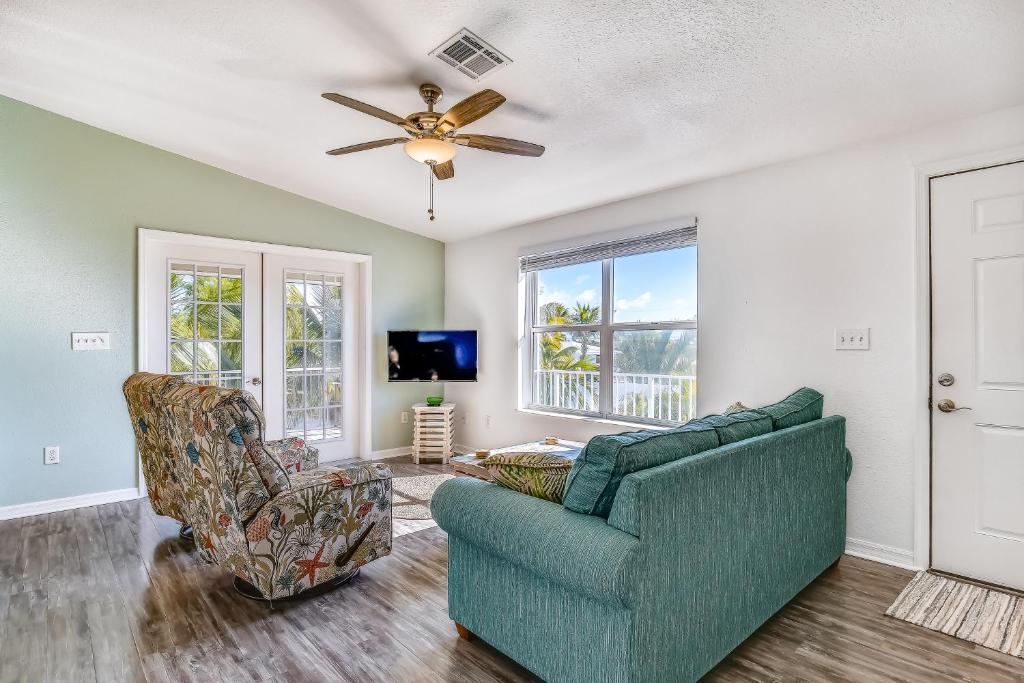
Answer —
(570, 295)
(659, 286)
(567, 370)
(313, 313)
(655, 374)
(205, 309)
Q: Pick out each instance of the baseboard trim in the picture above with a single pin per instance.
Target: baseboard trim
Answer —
(43, 507)
(392, 452)
(886, 554)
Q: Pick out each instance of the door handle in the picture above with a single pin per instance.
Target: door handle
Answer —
(947, 406)
(255, 381)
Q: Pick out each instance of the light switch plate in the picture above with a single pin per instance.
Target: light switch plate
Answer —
(853, 339)
(90, 341)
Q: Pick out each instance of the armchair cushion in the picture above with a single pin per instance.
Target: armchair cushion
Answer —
(803, 405)
(248, 432)
(598, 471)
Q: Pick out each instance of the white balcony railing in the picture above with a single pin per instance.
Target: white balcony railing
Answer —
(655, 397)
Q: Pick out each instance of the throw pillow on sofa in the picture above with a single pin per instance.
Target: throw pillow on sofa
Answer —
(540, 475)
(803, 405)
(599, 469)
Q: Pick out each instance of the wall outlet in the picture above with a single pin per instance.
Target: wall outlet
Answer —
(487, 421)
(90, 341)
(405, 417)
(51, 455)
(853, 339)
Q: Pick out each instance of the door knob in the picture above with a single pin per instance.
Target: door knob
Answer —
(255, 381)
(947, 406)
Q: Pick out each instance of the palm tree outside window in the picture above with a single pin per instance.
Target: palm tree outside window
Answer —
(638, 363)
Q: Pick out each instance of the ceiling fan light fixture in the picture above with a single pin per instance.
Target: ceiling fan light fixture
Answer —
(430, 150)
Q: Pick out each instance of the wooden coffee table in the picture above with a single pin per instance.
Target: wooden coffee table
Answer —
(468, 464)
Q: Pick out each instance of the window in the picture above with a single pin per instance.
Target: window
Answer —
(313, 356)
(205, 324)
(612, 329)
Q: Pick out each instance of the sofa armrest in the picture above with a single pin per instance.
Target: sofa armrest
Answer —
(580, 552)
(731, 535)
(294, 454)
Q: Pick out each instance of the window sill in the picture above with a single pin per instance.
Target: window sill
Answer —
(596, 420)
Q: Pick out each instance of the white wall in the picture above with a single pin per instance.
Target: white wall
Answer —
(787, 253)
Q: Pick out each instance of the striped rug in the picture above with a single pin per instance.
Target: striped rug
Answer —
(983, 616)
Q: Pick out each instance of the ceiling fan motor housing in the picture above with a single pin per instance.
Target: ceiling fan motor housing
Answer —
(431, 94)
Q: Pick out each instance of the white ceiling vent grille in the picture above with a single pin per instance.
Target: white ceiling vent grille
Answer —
(468, 53)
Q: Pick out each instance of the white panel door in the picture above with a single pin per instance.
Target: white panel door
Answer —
(977, 221)
(312, 343)
(203, 314)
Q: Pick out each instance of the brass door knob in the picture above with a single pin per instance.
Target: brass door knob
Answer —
(947, 406)
(255, 381)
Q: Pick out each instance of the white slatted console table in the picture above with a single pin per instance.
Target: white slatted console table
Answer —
(433, 432)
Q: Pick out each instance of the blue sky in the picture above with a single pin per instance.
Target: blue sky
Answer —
(648, 287)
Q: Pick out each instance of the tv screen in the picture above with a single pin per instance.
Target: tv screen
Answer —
(432, 356)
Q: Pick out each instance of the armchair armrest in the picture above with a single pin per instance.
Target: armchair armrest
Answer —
(294, 454)
(578, 551)
(330, 521)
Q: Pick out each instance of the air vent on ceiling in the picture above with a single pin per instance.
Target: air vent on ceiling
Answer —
(468, 53)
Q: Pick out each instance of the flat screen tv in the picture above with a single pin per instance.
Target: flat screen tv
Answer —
(432, 356)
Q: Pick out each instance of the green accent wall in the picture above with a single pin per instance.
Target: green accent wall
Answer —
(71, 200)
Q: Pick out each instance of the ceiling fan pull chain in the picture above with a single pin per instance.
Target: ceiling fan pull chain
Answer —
(430, 172)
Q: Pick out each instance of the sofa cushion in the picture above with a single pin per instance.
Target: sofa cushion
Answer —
(598, 471)
(743, 424)
(541, 475)
(803, 405)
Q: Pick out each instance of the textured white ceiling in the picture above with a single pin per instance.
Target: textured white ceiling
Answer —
(628, 97)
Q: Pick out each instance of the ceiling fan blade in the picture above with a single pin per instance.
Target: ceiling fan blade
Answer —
(366, 145)
(496, 144)
(370, 109)
(469, 110)
(444, 171)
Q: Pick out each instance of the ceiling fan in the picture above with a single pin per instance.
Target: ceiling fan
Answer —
(432, 136)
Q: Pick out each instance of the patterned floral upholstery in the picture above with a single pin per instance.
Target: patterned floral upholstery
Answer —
(262, 510)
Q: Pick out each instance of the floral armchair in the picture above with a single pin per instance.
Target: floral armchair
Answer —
(262, 510)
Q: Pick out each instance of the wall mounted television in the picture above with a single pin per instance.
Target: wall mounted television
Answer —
(432, 356)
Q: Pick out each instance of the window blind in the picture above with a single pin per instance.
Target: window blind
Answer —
(640, 244)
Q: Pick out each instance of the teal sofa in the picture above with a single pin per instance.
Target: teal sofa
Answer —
(694, 555)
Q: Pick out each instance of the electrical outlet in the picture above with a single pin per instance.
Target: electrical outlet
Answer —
(487, 421)
(853, 339)
(405, 417)
(51, 455)
(90, 341)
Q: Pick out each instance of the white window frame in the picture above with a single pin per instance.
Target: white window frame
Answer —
(605, 329)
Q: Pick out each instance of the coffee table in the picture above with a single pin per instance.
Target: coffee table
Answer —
(470, 465)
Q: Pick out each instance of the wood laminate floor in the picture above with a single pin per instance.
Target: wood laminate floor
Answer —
(110, 593)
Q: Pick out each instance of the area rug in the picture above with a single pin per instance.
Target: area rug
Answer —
(412, 495)
(984, 616)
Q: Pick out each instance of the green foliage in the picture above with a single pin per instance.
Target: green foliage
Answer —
(655, 352)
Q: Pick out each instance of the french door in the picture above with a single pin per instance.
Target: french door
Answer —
(977, 221)
(285, 326)
(310, 341)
